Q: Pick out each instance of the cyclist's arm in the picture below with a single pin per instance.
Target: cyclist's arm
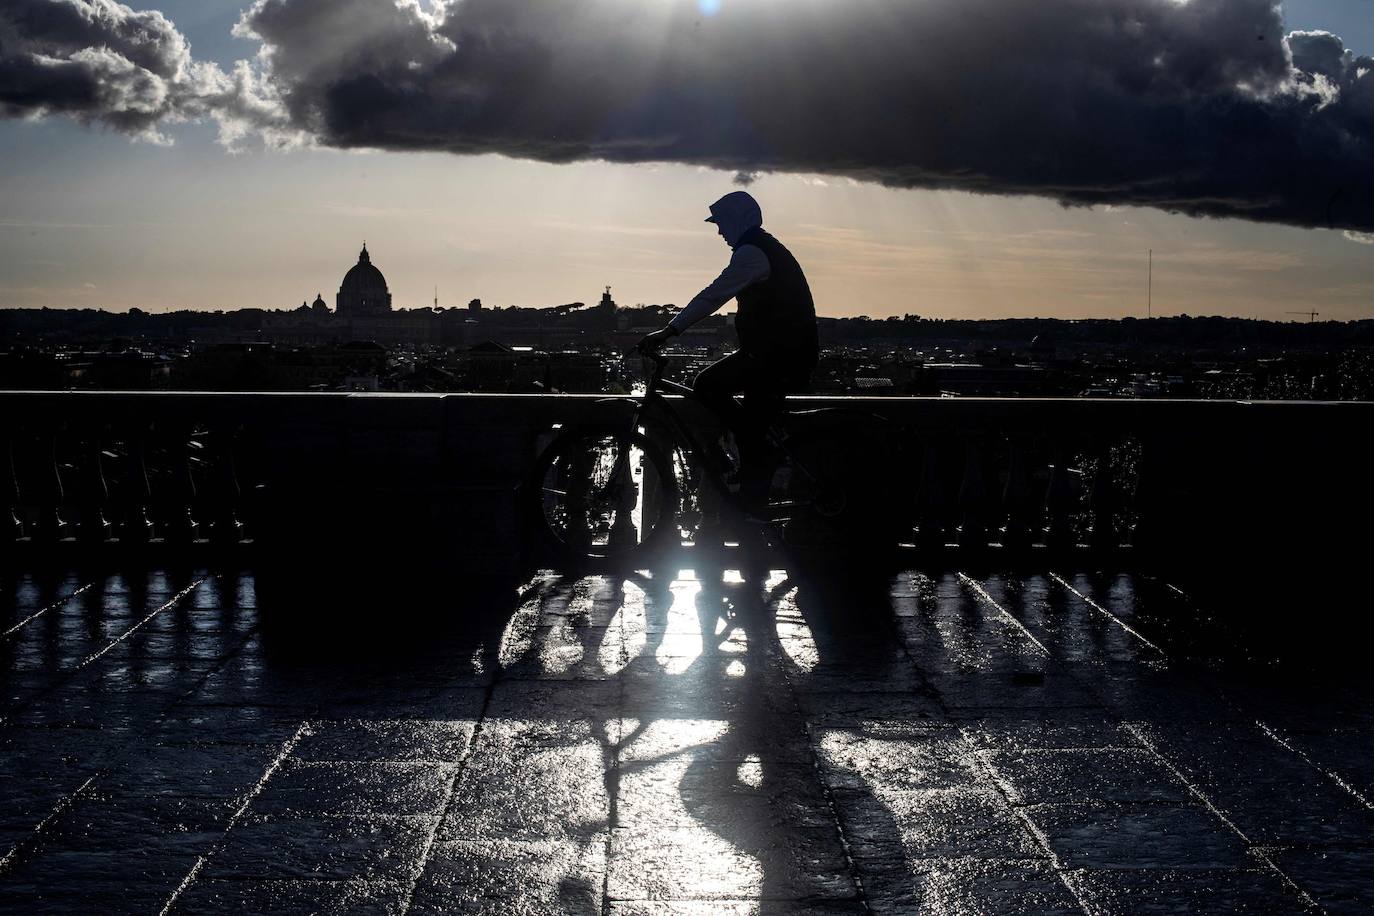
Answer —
(748, 265)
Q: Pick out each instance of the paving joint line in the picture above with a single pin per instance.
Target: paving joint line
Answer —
(1202, 797)
(808, 735)
(613, 773)
(253, 792)
(1140, 736)
(982, 594)
(61, 602)
(63, 805)
(94, 656)
(1109, 615)
(1005, 790)
(65, 677)
(1332, 775)
(989, 771)
(1269, 731)
(449, 794)
(114, 757)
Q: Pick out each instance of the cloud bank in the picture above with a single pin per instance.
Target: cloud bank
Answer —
(1202, 107)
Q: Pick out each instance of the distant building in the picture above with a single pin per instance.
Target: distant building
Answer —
(363, 293)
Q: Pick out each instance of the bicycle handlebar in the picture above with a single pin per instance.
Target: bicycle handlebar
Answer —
(655, 357)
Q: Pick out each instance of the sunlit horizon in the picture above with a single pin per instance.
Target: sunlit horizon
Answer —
(94, 219)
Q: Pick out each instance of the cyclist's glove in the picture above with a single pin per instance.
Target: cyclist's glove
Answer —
(654, 342)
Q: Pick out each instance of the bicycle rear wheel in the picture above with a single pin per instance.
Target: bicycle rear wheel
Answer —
(603, 493)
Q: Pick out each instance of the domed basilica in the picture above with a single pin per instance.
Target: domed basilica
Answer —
(363, 292)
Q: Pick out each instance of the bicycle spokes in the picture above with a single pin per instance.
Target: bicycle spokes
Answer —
(601, 496)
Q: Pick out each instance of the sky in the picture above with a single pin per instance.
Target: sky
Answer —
(916, 155)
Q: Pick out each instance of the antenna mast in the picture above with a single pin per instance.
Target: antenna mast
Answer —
(1150, 288)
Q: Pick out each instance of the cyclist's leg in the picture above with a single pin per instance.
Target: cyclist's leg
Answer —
(716, 385)
(765, 401)
(763, 405)
(764, 381)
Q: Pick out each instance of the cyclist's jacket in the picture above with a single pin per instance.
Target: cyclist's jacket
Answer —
(776, 317)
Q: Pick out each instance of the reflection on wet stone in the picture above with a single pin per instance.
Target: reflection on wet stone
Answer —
(677, 740)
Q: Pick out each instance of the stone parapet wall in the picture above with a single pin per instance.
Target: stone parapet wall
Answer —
(1182, 483)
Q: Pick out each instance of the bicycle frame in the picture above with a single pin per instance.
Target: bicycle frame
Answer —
(654, 390)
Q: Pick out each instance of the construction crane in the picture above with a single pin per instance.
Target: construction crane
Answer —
(1311, 316)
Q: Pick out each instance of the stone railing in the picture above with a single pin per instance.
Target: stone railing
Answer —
(350, 475)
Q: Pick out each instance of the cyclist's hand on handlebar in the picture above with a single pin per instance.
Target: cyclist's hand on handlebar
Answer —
(654, 342)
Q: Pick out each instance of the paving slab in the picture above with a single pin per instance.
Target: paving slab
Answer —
(528, 792)
(332, 848)
(295, 898)
(978, 885)
(1138, 836)
(550, 876)
(681, 741)
(1158, 891)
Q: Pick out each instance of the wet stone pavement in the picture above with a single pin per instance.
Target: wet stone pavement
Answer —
(675, 741)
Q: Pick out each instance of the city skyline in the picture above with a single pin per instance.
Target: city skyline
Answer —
(95, 219)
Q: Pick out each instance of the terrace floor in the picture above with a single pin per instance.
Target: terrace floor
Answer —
(679, 741)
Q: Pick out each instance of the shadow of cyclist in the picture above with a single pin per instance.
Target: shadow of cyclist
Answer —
(758, 786)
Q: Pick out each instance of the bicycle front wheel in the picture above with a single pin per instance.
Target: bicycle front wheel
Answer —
(601, 492)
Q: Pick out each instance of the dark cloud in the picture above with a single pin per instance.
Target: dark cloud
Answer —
(101, 62)
(95, 60)
(1202, 107)
(1196, 107)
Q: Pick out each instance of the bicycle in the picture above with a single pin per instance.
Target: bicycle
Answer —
(621, 489)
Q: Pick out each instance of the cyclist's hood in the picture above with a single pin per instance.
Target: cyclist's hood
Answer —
(736, 213)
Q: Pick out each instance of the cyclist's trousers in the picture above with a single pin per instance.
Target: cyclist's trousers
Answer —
(764, 382)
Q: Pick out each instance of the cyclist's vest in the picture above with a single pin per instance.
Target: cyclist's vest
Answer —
(777, 318)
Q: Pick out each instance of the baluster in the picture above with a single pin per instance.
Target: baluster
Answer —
(573, 474)
(249, 469)
(135, 492)
(652, 485)
(973, 497)
(622, 531)
(11, 528)
(91, 490)
(222, 490)
(1022, 517)
(48, 494)
(178, 486)
(931, 500)
(1150, 495)
(1104, 534)
(1059, 495)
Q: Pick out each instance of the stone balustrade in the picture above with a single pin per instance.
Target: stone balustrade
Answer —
(1177, 482)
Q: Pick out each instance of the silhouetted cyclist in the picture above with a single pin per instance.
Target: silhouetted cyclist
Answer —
(776, 325)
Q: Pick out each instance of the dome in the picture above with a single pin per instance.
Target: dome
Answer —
(363, 276)
(319, 304)
(363, 291)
